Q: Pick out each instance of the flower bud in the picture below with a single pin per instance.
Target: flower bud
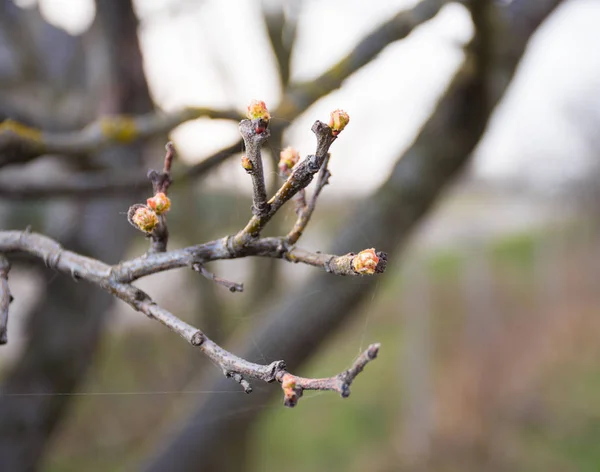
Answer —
(258, 110)
(288, 158)
(289, 382)
(365, 262)
(247, 164)
(160, 203)
(338, 121)
(290, 394)
(144, 218)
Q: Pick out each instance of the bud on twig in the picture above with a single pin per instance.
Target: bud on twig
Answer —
(338, 121)
(257, 111)
(160, 203)
(288, 158)
(142, 217)
(247, 163)
(365, 262)
(290, 395)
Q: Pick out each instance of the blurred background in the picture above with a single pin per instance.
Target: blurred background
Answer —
(471, 157)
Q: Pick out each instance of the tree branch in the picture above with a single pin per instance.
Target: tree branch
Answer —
(305, 210)
(5, 298)
(102, 184)
(300, 177)
(253, 142)
(298, 97)
(293, 386)
(281, 29)
(20, 143)
(100, 274)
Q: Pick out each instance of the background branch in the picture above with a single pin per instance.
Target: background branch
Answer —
(5, 298)
(105, 184)
(20, 143)
(385, 219)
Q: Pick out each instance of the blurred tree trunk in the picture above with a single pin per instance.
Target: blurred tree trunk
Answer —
(65, 329)
(294, 330)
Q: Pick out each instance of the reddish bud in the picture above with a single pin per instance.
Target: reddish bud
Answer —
(247, 164)
(258, 110)
(144, 218)
(288, 382)
(290, 394)
(365, 262)
(288, 158)
(160, 203)
(338, 121)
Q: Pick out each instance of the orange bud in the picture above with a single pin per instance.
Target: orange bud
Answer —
(365, 262)
(144, 218)
(338, 121)
(160, 203)
(247, 164)
(288, 158)
(289, 382)
(258, 110)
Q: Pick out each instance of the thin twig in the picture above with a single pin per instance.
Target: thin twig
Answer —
(5, 298)
(20, 143)
(101, 184)
(300, 177)
(253, 142)
(161, 181)
(306, 211)
(231, 286)
(298, 97)
(293, 386)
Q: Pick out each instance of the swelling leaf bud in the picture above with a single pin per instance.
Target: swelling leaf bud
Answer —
(288, 158)
(143, 218)
(365, 262)
(247, 164)
(160, 203)
(338, 121)
(258, 110)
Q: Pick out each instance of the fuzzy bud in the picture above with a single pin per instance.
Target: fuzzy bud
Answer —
(288, 158)
(365, 262)
(247, 164)
(144, 218)
(338, 121)
(290, 394)
(160, 203)
(258, 110)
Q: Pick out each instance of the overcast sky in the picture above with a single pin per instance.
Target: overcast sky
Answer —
(215, 53)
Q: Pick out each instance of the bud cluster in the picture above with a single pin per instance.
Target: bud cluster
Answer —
(146, 217)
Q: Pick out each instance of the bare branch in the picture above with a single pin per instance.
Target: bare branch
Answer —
(5, 298)
(305, 210)
(253, 141)
(231, 286)
(300, 177)
(20, 143)
(298, 97)
(281, 29)
(100, 274)
(293, 386)
(101, 184)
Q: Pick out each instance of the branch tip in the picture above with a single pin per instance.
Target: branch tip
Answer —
(231, 286)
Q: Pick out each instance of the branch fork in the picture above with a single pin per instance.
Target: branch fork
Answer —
(150, 219)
